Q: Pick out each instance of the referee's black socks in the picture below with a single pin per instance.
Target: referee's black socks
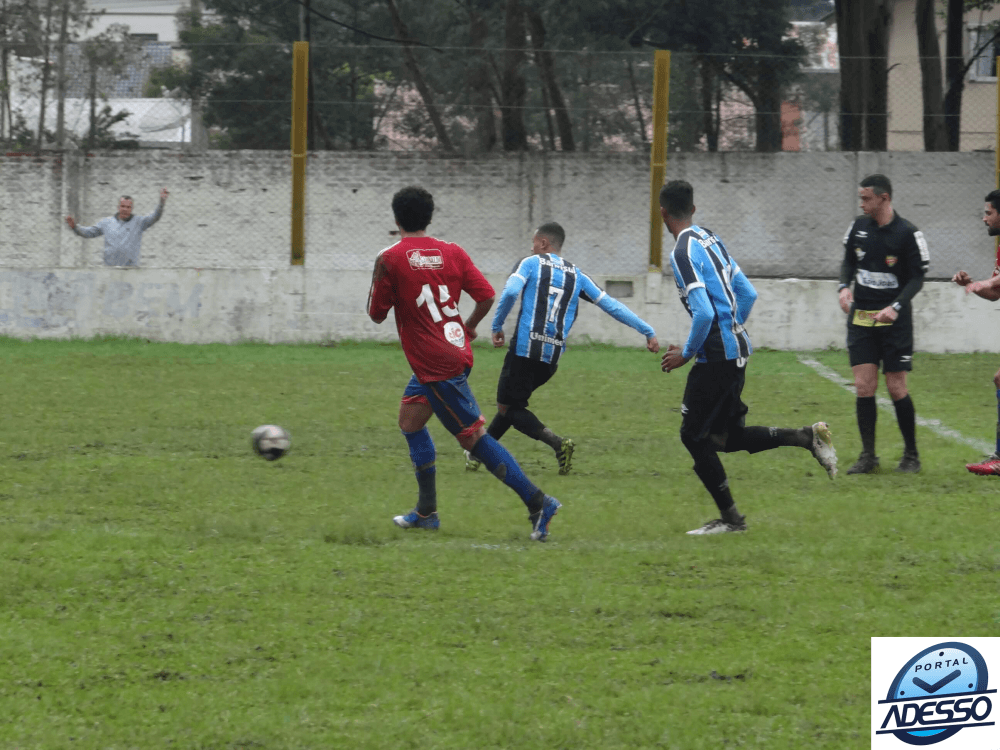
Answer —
(867, 414)
(906, 416)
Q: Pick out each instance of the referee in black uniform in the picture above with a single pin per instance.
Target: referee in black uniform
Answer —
(886, 257)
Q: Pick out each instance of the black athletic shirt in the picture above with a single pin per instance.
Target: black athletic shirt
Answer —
(887, 264)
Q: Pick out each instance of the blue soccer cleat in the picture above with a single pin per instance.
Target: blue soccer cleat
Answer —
(414, 520)
(540, 521)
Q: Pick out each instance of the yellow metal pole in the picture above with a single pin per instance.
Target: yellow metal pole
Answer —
(300, 105)
(658, 158)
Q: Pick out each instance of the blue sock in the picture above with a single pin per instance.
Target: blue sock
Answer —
(422, 456)
(498, 460)
(998, 421)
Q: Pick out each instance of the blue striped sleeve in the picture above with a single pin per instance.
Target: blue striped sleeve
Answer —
(746, 295)
(622, 314)
(511, 291)
(702, 315)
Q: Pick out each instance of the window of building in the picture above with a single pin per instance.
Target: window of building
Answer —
(985, 65)
(145, 37)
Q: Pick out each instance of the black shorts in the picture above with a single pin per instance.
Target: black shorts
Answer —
(713, 403)
(520, 377)
(892, 346)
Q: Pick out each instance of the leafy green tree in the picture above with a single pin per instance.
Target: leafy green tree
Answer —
(240, 66)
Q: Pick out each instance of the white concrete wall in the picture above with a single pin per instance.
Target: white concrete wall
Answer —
(303, 305)
(780, 214)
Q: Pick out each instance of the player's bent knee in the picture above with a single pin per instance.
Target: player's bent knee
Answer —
(468, 438)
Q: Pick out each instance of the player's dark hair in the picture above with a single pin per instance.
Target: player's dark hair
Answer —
(413, 207)
(993, 198)
(125, 198)
(879, 184)
(553, 232)
(677, 197)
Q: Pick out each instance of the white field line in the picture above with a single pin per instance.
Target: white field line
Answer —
(934, 425)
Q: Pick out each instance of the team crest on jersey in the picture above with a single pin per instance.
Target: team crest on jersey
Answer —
(860, 253)
(425, 262)
(890, 260)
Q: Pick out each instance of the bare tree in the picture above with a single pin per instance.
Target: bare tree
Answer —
(863, 38)
(513, 89)
(418, 78)
(550, 84)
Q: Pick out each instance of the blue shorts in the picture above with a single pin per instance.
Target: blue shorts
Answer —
(451, 400)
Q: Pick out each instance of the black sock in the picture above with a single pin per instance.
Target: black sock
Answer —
(427, 494)
(526, 422)
(535, 505)
(713, 476)
(499, 426)
(906, 416)
(757, 439)
(867, 414)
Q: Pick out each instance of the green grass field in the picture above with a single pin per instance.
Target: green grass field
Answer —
(163, 587)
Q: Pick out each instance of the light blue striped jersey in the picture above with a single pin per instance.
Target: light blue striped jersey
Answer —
(552, 288)
(716, 294)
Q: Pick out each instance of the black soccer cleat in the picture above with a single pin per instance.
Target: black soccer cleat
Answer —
(867, 463)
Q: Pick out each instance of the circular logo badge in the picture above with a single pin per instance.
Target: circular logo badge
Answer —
(935, 687)
(455, 333)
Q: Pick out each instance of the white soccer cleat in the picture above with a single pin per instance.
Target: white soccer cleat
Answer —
(718, 526)
(822, 448)
(471, 463)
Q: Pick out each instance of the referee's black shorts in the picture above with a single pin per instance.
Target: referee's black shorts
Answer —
(520, 377)
(891, 346)
(713, 404)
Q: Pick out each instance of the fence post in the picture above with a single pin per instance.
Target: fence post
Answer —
(300, 104)
(658, 170)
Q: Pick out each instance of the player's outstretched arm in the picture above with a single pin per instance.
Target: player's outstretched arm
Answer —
(86, 232)
(987, 288)
(476, 317)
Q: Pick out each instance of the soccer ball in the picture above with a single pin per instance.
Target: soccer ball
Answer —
(270, 442)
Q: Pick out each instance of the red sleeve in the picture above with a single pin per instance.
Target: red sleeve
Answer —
(474, 283)
(380, 295)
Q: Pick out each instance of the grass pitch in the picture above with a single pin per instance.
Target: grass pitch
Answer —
(164, 587)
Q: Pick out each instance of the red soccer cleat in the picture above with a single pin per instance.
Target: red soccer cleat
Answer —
(988, 467)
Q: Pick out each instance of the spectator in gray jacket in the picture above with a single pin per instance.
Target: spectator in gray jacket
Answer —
(122, 232)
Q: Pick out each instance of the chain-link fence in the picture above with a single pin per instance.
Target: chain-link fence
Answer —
(506, 139)
(782, 215)
(228, 94)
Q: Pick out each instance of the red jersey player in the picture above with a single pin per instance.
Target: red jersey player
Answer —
(987, 289)
(421, 279)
